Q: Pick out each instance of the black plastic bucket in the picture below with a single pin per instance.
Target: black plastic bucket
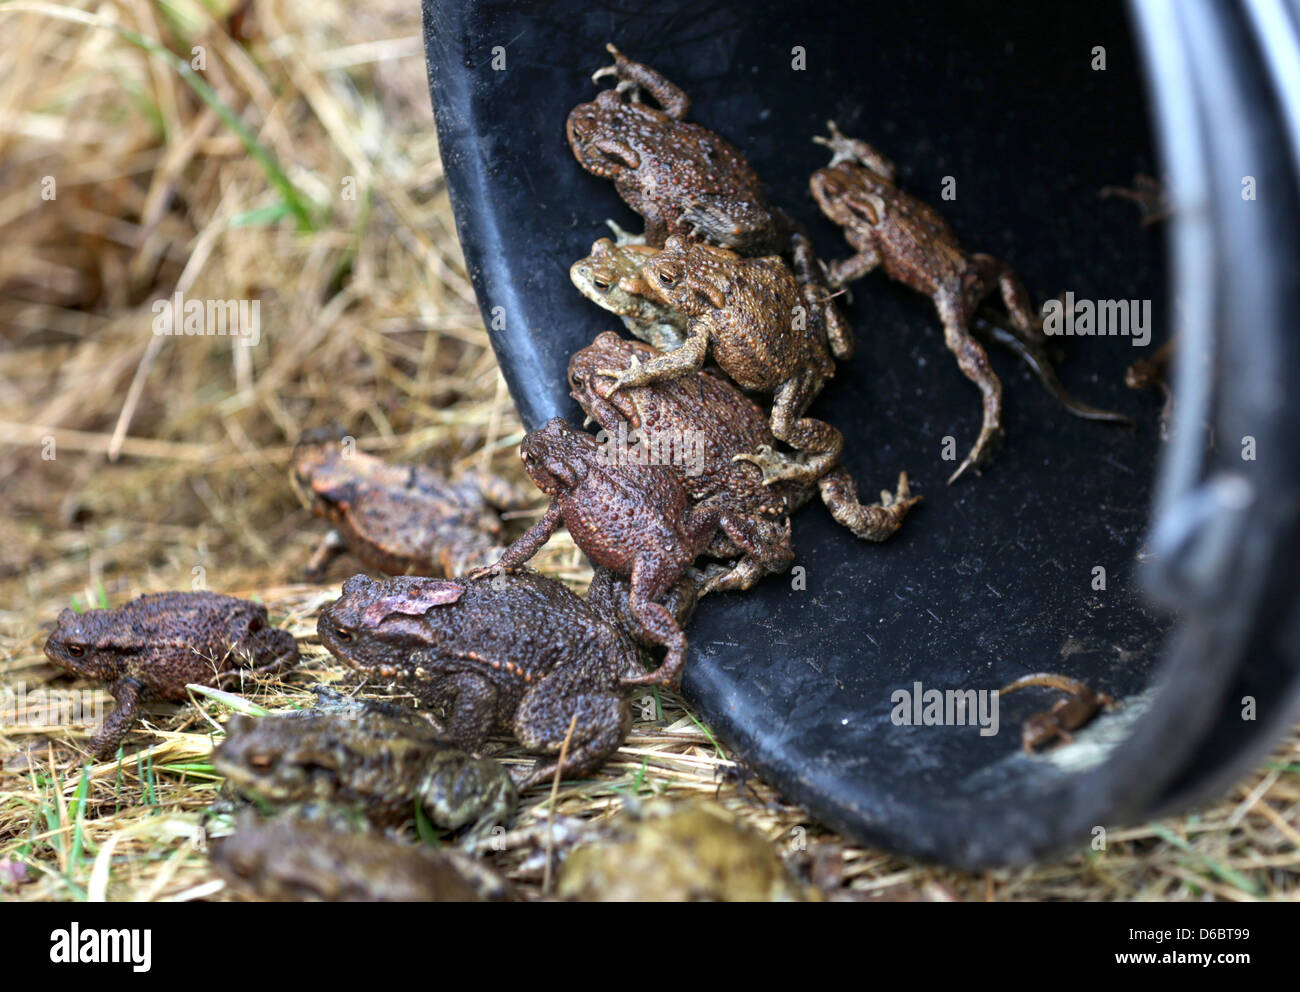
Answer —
(1194, 626)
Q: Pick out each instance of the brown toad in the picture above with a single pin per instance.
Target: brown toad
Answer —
(1065, 715)
(680, 177)
(917, 247)
(398, 518)
(712, 424)
(155, 645)
(766, 331)
(382, 758)
(292, 859)
(516, 652)
(633, 519)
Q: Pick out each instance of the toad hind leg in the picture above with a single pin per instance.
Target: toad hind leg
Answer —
(543, 718)
(973, 361)
(991, 273)
(767, 551)
(655, 624)
(734, 578)
(636, 75)
(1024, 336)
(808, 273)
(819, 443)
(739, 232)
(472, 708)
(871, 523)
(1035, 358)
(275, 641)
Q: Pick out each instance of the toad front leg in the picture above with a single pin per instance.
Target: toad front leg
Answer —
(670, 365)
(527, 544)
(846, 149)
(471, 704)
(847, 270)
(126, 693)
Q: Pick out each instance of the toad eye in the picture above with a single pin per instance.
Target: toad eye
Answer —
(666, 278)
(262, 762)
(599, 283)
(344, 635)
(76, 650)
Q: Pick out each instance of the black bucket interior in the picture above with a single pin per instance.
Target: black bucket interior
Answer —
(1036, 565)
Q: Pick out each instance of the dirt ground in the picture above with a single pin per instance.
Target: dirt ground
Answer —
(300, 168)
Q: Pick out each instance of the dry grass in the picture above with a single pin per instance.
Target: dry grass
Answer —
(169, 454)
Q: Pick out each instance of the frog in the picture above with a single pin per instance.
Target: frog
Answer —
(289, 858)
(398, 518)
(157, 644)
(1053, 726)
(379, 757)
(515, 651)
(611, 277)
(766, 333)
(678, 852)
(680, 177)
(716, 423)
(634, 519)
(917, 247)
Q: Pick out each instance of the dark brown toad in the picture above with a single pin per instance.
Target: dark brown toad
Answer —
(155, 645)
(516, 652)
